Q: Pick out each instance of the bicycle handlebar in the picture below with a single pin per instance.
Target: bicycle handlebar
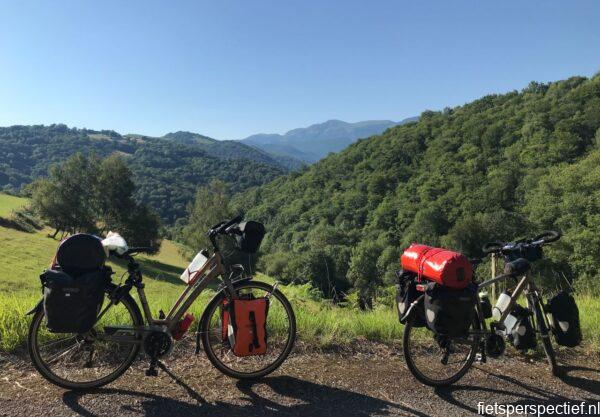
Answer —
(224, 227)
(133, 251)
(547, 236)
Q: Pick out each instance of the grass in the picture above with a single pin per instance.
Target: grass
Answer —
(320, 323)
(9, 203)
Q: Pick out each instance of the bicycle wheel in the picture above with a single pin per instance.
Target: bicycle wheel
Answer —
(281, 330)
(84, 361)
(542, 327)
(439, 360)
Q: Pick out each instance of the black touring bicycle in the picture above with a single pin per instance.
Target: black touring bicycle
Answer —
(446, 330)
(87, 330)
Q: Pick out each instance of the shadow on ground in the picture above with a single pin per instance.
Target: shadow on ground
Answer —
(518, 392)
(287, 396)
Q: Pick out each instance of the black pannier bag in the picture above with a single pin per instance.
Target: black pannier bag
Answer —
(74, 287)
(250, 236)
(406, 294)
(449, 312)
(522, 335)
(565, 319)
(71, 304)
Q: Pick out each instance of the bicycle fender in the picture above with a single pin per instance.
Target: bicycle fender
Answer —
(37, 307)
(205, 313)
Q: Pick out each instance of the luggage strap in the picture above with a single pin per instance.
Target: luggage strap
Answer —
(430, 252)
(254, 343)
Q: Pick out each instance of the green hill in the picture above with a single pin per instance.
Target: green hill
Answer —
(9, 203)
(167, 172)
(502, 166)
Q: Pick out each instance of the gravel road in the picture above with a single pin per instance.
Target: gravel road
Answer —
(374, 382)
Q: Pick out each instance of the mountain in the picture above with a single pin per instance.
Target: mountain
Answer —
(227, 149)
(312, 143)
(167, 170)
(498, 168)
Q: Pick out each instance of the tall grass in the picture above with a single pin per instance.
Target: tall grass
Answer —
(320, 323)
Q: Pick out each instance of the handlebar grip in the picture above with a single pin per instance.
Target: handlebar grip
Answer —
(231, 222)
(548, 236)
(492, 247)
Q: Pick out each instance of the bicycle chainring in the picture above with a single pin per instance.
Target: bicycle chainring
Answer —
(158, 344)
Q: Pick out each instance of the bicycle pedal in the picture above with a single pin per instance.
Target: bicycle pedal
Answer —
(151, 372)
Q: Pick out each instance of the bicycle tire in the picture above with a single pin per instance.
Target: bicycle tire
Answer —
(208, 347)
(544, 331)
(406, 343)
(50, 376)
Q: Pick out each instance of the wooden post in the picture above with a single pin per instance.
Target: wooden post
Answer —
(494, 276)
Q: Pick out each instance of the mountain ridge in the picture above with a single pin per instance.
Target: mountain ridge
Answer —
(311, 143)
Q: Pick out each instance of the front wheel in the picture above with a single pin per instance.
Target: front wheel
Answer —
(281, 331)
(544, 331)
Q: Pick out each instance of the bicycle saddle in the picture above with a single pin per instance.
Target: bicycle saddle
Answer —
(517, 267)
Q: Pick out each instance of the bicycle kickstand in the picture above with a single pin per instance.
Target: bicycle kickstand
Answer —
(152, 371)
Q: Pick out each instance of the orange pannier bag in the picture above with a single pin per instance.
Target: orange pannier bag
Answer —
(247, 332)
(448, 268)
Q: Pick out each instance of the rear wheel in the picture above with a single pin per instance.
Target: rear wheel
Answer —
(84, 361)
(281, 330)
(438, 360)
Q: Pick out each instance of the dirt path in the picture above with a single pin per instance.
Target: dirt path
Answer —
(316, 384)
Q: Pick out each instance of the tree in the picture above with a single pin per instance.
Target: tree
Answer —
(66, 199)
(210, 207)
(84, 194)
(114, 194)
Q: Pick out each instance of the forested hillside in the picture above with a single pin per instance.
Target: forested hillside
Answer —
(500, 167)
(166, 172)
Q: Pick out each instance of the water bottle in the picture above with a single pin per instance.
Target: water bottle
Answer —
(189, 275)
(500, 307)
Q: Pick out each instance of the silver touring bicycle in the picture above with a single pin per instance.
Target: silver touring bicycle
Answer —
(471, 328)
(247, 330)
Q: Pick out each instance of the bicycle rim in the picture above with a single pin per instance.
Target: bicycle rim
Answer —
(281, 330)
(83, 361)
(438, 361)
(544, 332)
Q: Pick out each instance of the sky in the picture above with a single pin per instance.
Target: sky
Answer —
(229, 69)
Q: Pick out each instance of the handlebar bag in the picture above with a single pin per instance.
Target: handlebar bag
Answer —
(523, 250)
(443, 266)
(250, 236)
(522, 335)
(406, 294)
(449, 312)
(244, 326)
(565, 319)
(71, 304)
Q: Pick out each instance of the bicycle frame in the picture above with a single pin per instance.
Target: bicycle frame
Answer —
(525, 285)
(213, 268)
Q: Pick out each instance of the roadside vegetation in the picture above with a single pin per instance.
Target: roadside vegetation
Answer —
(321, 323)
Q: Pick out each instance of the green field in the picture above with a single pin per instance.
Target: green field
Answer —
(320, 323)
(8, 203)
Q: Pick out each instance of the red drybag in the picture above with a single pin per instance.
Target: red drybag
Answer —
(443, 266)
(247, 332)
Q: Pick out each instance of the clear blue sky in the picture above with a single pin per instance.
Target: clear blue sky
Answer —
(230, 69)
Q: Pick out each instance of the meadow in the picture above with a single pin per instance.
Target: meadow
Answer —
(321, 324)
